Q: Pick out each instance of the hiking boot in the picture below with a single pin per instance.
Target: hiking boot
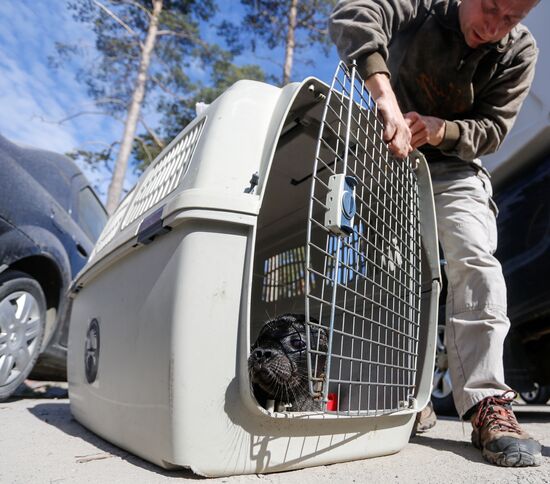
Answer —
(498, 434)
(425, 420)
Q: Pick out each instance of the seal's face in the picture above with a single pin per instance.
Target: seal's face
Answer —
(278, 358)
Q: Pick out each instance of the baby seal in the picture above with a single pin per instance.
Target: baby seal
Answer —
(278, 362)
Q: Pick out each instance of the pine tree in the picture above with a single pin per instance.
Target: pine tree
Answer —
(146, 51)
(295, 25)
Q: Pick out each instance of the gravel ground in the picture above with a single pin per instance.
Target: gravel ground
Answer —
(41, 443)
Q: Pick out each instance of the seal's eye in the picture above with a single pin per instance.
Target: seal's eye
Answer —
(298, 343)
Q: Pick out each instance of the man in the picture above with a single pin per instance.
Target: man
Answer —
(460, 72)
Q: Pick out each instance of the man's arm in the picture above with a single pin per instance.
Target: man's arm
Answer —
(425, 129)
(396, 131)
(362, 31)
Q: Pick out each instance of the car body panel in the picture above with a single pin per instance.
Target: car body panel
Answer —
(41, 234)
(524, 251)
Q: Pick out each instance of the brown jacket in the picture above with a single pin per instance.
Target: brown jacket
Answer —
(433, 71)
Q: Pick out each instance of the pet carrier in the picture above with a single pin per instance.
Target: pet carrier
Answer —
(271, 201)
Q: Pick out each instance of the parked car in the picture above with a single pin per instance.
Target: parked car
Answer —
(524, 250)
(49, 220)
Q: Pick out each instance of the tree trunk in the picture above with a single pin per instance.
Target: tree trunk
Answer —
(121, 164)
(290, 40)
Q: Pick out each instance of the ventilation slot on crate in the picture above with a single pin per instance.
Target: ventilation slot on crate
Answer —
(165, 174)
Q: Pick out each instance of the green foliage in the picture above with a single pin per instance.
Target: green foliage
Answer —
(224, 74)
(178, 114)
(184, 69)
(99, 162)
(267, 21)
(110, 75)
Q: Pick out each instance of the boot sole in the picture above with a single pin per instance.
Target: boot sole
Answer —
(512, 459)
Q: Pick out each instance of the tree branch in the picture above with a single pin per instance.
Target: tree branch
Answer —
(183, 35)
(267, 59)
(118, 20)
(108, 146)
(77, 115)
(71, 116)
(135, 4)
(166, 89)
(153, 135)
(144, 147)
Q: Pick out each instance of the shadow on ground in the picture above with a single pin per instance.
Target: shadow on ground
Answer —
(59, 416)
(458, 447)
(31, 389)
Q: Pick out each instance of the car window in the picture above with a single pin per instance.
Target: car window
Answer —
(91, 215)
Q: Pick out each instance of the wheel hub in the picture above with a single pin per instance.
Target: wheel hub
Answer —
(19, 318)
(442, 360)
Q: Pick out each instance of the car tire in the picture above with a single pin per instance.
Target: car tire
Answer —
(538, 396)
(22, 322)
(442, 390)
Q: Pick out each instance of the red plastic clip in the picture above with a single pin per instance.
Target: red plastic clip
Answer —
(332, 404)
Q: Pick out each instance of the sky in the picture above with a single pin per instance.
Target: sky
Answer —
(38, 102)
(37, 99)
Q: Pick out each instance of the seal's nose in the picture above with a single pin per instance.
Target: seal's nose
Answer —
(262, 354)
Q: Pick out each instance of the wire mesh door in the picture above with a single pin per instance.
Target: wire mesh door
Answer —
(363, 249)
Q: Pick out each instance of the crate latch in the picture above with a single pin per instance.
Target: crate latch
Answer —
(340, 204)
(151, 227)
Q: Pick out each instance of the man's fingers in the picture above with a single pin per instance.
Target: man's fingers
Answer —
(389, 132)
(412, 116)
(396, 130)
(399, 152)
(396, 150)
(416, 125)
(399, 148)
(419, 138)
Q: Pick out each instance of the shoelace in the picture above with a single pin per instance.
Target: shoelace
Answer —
(493, 413)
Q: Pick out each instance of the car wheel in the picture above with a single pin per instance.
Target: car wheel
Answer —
(538, 396)
(22, 321)
(442, 391)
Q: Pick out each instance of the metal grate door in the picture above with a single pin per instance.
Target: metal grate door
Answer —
(363, 248)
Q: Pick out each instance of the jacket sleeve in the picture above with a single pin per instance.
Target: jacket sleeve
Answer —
(362, 29)
(495, 110)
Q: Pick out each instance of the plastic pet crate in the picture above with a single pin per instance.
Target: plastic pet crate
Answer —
(273, 200)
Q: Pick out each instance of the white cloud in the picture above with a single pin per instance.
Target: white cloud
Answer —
(34, 97)
(21, 111)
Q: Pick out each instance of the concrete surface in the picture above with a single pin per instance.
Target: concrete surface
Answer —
(41, 443)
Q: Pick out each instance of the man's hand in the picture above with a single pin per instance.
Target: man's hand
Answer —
(396, 131)
(425, 129)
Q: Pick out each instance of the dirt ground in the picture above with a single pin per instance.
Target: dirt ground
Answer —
(40, 442)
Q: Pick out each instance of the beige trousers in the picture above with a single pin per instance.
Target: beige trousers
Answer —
(476, 320)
